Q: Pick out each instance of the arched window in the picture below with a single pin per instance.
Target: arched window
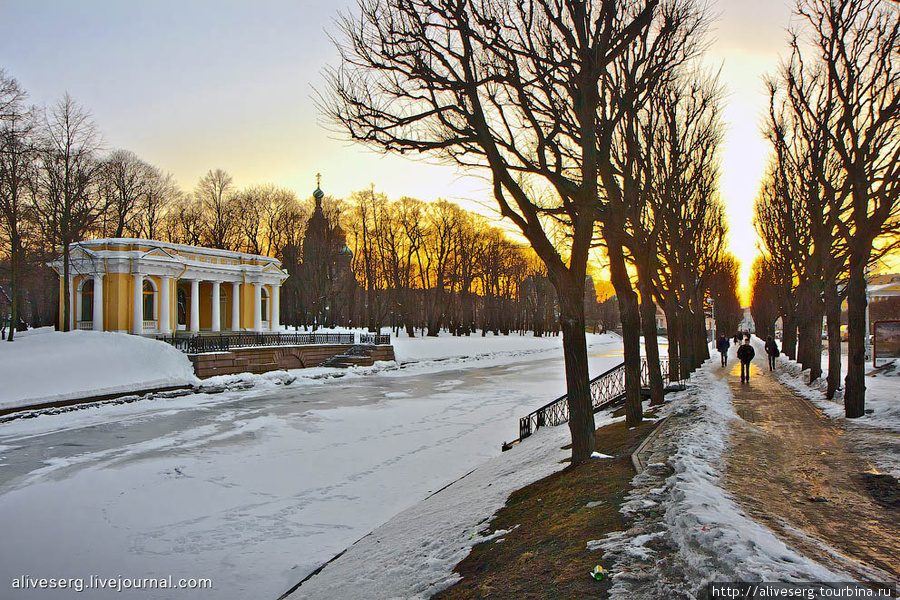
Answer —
(149, 301)
(182, 306)
(264, 304)
(87, 300)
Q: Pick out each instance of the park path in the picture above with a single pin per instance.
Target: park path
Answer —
(793, 469)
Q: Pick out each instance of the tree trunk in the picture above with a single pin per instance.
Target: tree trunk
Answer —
(14, 257)
(578, 386)
(855, 383)
(833, 319)
(685, 345)
(701, 343)
(631, 332)
(651, 343)
(67, 307)
(789, 336)
(809, 321)
(672, 333)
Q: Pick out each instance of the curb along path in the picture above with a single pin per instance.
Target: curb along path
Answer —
(792, 468)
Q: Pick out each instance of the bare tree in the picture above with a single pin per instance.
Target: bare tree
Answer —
(764, 297)
(161, 192)
(845, 83)
(67, 202)
(122, 184)
(214, 192)
(512, 88)
(17, 161)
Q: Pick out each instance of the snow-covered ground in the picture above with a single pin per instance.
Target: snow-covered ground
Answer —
(679, 505)
(43, 365)
(877, 433)
(882, 392)
(256, 486)
(413, 554)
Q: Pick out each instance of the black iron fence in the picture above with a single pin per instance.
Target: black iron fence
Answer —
(377, 339)
(607, 390)
(200, 343)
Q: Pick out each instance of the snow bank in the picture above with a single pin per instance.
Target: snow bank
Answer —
(687, 529)
(47, 366)
(413, 554)
(882, 392)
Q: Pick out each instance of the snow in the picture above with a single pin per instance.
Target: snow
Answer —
(257, 480)
(258, 485)
(47, 366)
(83, 364)
(882, 392)
(679, 504)
(413, 554)
(873, 432)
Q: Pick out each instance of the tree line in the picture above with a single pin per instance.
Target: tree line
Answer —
(595, 127)
(829, 206)
(413, 265)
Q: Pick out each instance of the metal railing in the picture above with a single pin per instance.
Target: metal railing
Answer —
(607, 390)
(198, 344)
(376, 339)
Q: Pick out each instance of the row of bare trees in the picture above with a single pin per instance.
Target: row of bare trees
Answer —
(435, 266)
(830, 204)
(429, 266)
(561, 104)
(420, 266)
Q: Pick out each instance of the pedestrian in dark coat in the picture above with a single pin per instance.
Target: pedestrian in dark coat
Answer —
(722, 346)
(773, 352)
(745, 354)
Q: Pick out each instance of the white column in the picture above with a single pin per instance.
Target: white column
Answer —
(257, 300)
(236, 306)
(275, 311)
(72, 304)
(137, 321)
(194, 325)
(165, 308)
(216, 317)
(98, 302)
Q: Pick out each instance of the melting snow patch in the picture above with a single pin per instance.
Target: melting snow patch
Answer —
(698, 533)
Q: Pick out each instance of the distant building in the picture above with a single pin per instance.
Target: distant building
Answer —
(145, 286)
(747, 323)
(882, 287)
(328, 287)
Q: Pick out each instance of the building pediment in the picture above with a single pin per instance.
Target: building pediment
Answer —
(159, 253)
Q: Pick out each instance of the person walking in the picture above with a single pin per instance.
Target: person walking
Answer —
(722, 346)
(773, 352)
(745, 354)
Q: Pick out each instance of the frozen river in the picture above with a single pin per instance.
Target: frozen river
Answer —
(252, 489)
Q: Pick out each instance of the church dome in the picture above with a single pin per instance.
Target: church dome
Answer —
(318, 194)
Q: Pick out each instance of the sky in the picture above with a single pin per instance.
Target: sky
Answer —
(194, 85)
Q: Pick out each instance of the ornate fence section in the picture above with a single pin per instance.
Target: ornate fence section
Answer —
(607, 390)
(198, 344)
(377, 339)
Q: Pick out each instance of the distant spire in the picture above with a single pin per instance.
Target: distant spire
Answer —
(318, 194)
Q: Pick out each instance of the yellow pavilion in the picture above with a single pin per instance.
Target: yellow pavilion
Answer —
(149, 287)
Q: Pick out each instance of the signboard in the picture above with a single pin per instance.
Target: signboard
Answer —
(887, 342)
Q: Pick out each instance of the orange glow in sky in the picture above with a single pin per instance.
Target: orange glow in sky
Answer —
(203, 85)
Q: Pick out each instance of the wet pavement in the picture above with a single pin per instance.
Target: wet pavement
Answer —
(797, 471)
